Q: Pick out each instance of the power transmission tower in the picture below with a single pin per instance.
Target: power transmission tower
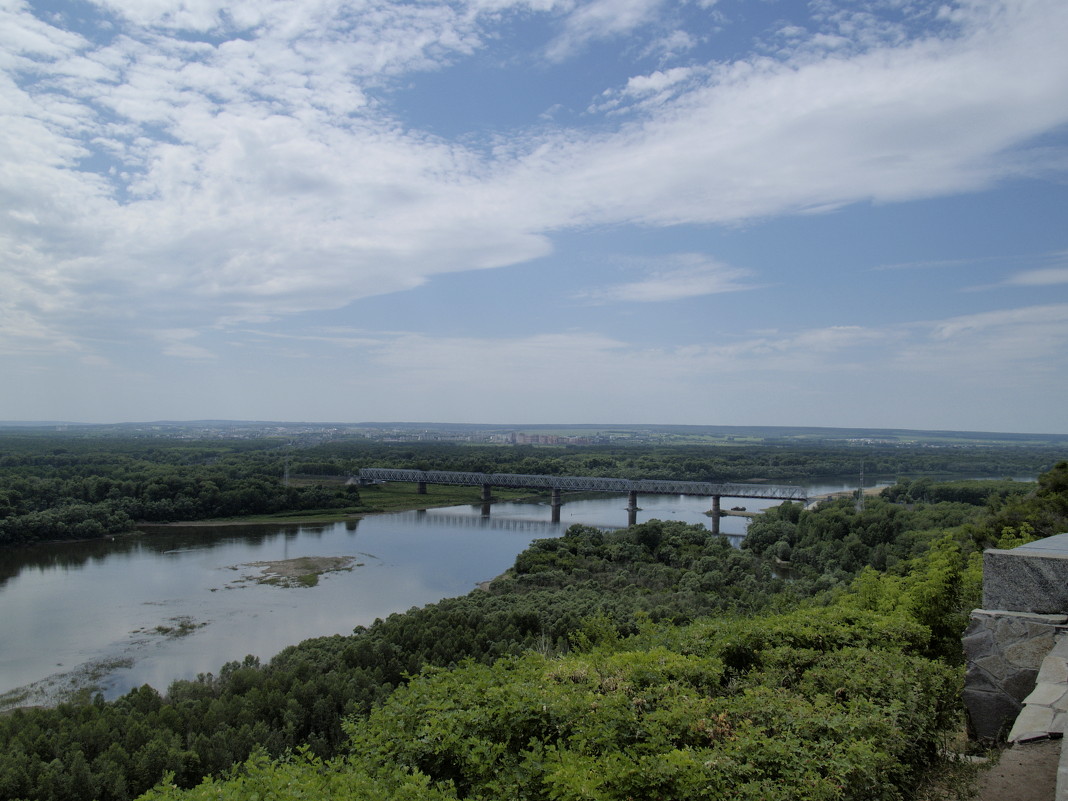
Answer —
(860, 492)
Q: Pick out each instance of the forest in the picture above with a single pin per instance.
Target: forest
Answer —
(819, 661)
(56, 486)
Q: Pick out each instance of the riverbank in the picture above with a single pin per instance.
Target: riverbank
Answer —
(386, 499)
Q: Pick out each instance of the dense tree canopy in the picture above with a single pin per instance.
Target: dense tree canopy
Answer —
(655, 662)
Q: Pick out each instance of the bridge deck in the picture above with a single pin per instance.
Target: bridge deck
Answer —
(585, 483)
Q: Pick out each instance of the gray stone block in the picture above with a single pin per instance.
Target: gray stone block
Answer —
(990, 715)
(1029, 652)
(1030, 578)
(994, 665)
(979, 679)
(1019, 684)
(978, 639)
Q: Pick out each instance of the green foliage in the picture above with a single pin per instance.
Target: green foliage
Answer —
(676, 713)
(304, 777)
(836, 539)
(1044, 511)
(937, 590)
(976, 493)
(643, 663)
(94, 487)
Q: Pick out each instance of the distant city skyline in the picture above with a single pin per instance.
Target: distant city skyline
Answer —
(836, 213)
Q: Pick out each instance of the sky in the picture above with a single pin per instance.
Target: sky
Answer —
(711, 212)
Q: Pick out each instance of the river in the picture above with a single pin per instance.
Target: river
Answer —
(175, 602)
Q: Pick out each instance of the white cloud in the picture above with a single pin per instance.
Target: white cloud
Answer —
(600, 19)
(768, 137)
(1048, 276)
(656, 82)
(192, 182)
(645, 91)
(672, 45)
(1018, 345)
(176, 342)
(690, 275)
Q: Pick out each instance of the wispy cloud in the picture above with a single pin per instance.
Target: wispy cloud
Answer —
(1049, 276)
(687, 275)
(177, 342)
(1020, 342)
(600, 19)
(1053, 269)
(645, 91)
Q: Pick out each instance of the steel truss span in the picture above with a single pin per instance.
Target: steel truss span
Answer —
(585, 483)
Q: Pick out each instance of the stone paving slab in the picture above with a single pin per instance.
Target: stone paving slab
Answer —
(1045, 710)
(1054, 670)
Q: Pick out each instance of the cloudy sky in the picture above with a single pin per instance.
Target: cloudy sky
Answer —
(731, 212)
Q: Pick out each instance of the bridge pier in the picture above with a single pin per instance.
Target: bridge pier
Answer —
(422, 488)
(487, 496)
(715, 514)
(555, 505)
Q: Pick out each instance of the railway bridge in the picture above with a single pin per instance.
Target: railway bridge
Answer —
(557, 485)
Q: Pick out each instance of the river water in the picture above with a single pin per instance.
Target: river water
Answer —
(176, 602)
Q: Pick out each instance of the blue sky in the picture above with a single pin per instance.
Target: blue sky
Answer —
(723, 212)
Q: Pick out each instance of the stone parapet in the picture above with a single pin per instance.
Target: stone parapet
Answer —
(1003, 652)
(1031, 578)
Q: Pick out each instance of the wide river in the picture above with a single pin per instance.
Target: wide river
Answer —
(176, 602)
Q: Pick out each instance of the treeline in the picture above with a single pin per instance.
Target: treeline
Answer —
(691, 462)
(926, 490)
(56, 486)
(80, 488)
(591, 669)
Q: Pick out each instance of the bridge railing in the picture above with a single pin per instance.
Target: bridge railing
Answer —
(585, 483)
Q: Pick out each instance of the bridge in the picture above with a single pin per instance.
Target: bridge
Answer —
(559, 484)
